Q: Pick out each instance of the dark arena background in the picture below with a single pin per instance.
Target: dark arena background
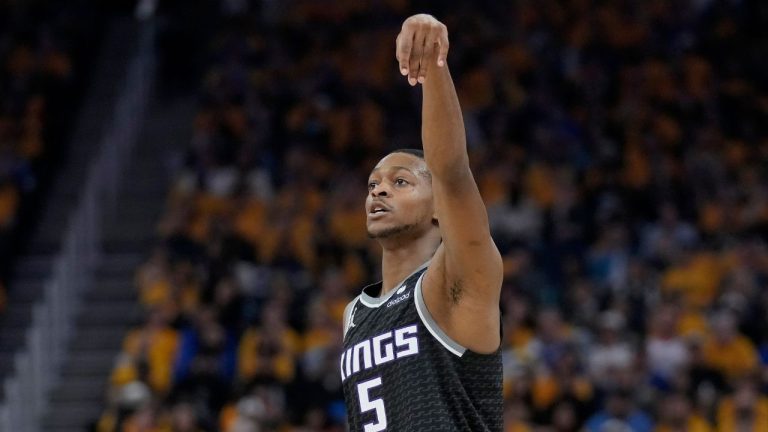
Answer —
(182, 221)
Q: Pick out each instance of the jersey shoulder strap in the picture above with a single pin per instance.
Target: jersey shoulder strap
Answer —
(347, 314)
(429, 322)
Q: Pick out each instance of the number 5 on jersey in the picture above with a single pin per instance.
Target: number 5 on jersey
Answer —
(367, 404)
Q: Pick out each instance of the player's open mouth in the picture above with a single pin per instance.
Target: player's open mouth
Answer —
(378, 209)
(378, 212)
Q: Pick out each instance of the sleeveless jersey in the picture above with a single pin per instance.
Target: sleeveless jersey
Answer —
(400, 372)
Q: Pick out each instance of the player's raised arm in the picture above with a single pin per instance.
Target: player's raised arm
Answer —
(463, 283)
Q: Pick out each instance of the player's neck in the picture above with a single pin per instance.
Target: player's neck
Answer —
(399, 263)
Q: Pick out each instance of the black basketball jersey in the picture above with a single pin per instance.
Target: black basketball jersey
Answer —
(401, 372)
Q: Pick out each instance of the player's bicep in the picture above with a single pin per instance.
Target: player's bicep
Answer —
(472, 261)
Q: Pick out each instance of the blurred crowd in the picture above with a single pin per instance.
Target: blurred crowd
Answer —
(34, 68)
(622, 151)
(43, 64)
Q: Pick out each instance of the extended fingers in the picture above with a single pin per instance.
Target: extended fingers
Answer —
(404, 45)
(442, 41)
(422, 40)
(429, 52)
(417, 53)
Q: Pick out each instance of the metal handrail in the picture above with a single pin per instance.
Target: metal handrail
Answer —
(37, 365)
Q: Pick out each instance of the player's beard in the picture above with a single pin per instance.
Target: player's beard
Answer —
(391, 232)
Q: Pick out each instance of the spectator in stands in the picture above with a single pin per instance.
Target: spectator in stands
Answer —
(610, 352)
(703, 383)
(676, 414)
(665, 349)
(665, 239)
(745, 409)
(517, 417)
(727, 351)
(184, 418)
(150, 351)
(554, 336)
(268, 352)
(620, 414)
(205, 363)
(262, 408)
(563, 395)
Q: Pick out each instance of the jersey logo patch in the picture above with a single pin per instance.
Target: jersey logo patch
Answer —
(399, 300)
(400, 291)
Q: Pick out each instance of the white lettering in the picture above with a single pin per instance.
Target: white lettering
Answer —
(365, 347)
(349, 362)
(379, 350)
(378, 344)
(412, 342)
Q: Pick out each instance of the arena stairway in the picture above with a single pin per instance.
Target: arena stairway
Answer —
(34, 265)
(109, 308)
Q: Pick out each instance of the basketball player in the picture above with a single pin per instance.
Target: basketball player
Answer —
(421, 348)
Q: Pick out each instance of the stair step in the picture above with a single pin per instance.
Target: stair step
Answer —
(84, 371)
(128, 209)
(121, 260)
(34, 265)
(18, 317)
(143, 235)
(25, 291)
(71, 414)
(143, 173)
(154, 197)
(40, 245)
(149, 174)
(32, 274)
(137, 225)
(137, 228)
(11, 339)
(111, 290)
(57, 428)
(93, 363)
(136, 245)
(99, 339)
(7, 362)
(110, 313)
(115, 274)
(89, 390)
(92, 357)
(117, 269)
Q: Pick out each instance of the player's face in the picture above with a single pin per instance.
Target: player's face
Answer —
(399, 200)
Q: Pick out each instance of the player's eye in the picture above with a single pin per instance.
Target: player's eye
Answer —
(371, 185)
(401, 182)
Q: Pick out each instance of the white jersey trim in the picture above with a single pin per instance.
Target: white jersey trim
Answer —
(374, 302)
(429, 322)
(349, 314)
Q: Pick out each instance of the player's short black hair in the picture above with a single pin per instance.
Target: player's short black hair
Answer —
(415, 152)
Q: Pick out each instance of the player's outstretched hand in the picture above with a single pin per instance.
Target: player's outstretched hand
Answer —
(422, 42)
